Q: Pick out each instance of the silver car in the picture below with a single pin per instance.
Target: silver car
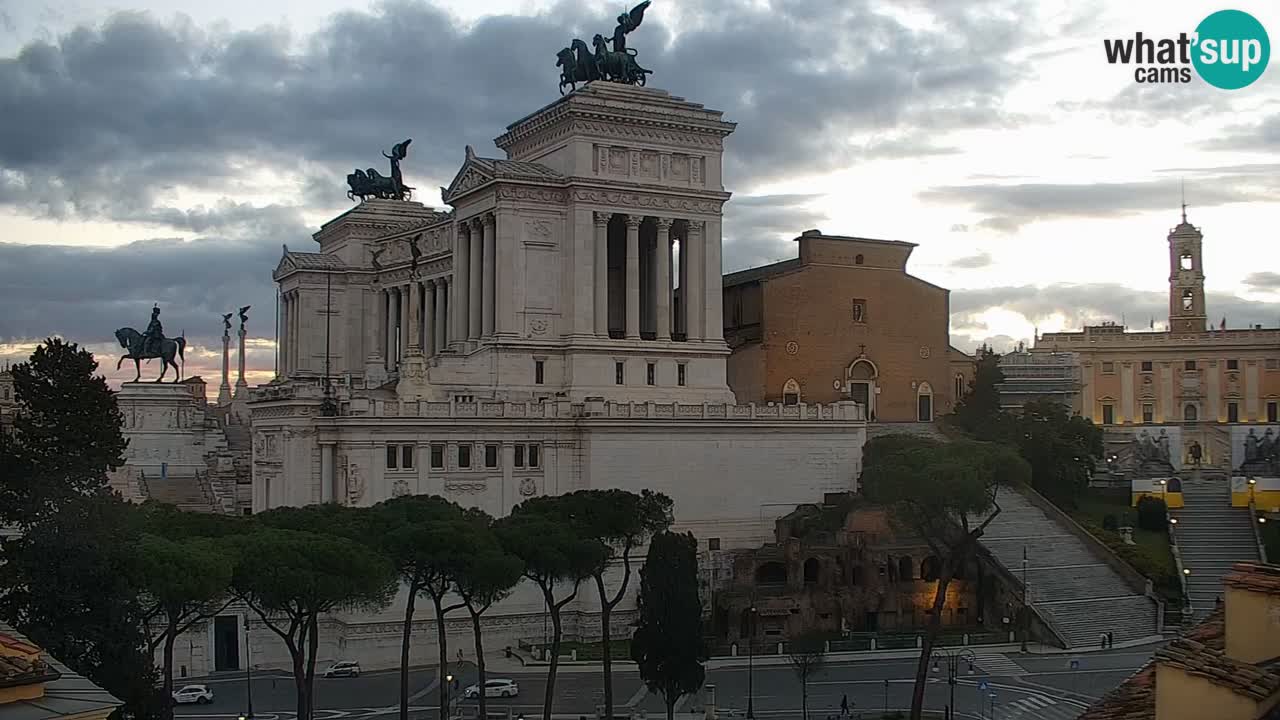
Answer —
(498, 687)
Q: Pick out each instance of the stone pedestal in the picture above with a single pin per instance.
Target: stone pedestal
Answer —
(165, 426)
(224, 390)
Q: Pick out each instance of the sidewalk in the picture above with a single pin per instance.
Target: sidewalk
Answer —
(513, 664)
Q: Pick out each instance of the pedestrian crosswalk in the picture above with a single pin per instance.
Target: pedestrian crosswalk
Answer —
(1038, 707)
(998, 664)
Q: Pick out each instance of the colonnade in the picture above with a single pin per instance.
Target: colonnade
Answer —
(412, 318)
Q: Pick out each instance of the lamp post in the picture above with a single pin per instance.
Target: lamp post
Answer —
(953, 660)
(751, 636)
(1163, 482)
(448, 683)
(248, 672)
(1253, 483)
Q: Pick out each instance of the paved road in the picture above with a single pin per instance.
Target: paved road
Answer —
(1024, 687)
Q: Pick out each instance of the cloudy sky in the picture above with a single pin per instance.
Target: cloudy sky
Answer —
(163, 150)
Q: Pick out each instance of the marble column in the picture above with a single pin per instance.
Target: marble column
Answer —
(461, 284)
(633, 276)
(713, 290)
(415, 319)
(327, 472)
(429, 319)
(488, 299)
(224, 390)
(389, 327)
(379, 324)
(295, 363)
(475, 303)
(695, 295)
(601, 253)
(241, 385)
(662, 280)
(403, 318)
(682, 276)
(282, 341)
(442, 314)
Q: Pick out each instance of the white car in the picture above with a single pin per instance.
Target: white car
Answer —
(200, 694)
(500, 687)
(343, 668)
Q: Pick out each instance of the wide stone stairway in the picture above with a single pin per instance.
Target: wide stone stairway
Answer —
(1070, 586)
(186, 492)
(1212, 536)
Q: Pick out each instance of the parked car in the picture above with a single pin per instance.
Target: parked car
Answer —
(200, 694)
(499, 687)
(343, 668)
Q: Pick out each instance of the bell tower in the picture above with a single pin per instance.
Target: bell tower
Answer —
(1186, 278)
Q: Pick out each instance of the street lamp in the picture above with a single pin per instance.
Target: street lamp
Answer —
(751, 636)
(248, 672)
(953, 660)
(1163, 482)
(448, 683)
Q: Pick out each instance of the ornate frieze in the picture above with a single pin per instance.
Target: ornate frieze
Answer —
(646, 200)
(526, 192)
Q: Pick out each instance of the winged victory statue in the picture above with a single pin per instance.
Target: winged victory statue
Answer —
(579, 63)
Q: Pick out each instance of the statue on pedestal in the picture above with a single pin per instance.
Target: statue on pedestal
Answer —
(619, 65)
(369, 183)
(151, 344)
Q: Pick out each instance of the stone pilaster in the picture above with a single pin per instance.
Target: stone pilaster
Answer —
(488, 301)
(601, 255)
(429, 319)
(475, 283)
(461, 284)
(694, 295)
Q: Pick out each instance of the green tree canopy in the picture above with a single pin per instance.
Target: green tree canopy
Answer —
(946, 494)
(667, 644)
(290, 577)
(488, 574)
(978, 411)
(66, 433)
(1061, 448)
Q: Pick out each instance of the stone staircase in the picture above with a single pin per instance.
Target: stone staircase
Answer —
(1070, 586)
(1212, 536)
(186, 492)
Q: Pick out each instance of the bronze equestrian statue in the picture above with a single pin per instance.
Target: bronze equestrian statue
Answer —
(151, 344)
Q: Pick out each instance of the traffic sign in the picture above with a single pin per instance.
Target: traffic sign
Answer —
(982, 685)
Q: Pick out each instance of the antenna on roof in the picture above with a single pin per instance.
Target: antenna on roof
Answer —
(1184, 201)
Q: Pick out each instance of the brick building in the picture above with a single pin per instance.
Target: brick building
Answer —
(843, 321)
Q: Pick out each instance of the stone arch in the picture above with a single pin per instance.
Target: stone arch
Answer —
(791, 392)
(811, 568)
(924, 402)
(906, 569)
(930, 568)
(860, 379)
(771, 573)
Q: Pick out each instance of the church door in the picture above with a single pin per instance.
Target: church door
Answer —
(925, 410)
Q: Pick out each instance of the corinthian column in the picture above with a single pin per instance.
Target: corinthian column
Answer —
(695, 295)
(442, 315)
(488, 298)
(633, 276)
(475, 283)
(415, 320)
(224, 390)
(461, 281)
(601, 255)
(662, 281)
(429, 318)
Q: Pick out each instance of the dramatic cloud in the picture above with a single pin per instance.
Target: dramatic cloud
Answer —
(760, 229)
(1011, 206)
(1263, 281)
(970, 262)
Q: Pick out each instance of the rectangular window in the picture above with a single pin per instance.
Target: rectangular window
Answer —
(437, 457)
(1146, 366)
(859, 311)
(1148, 412)
(713, 543)
(680, 369)
(533, 456)
(406, 457)
(617, 373)
(519, 459)
(1108, 414)
(1233, 364)
(537, 372)
(1108, 367)
(1233, 412)
(1272, 409)
(649, 373)
(464, 456)
(491, 456)
(1273, 363)
(1189, 365)
(393, 454)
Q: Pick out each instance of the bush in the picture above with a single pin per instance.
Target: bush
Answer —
(1109, 522)
(1152, 514)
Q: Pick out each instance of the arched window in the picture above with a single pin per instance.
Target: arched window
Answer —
(791, 392)
(924, 403)
(929, 569)
(771, 573)
(1186, 262)
(905, 570)
(959, 386)
(1189, 413)
(1188, 300)
(811, 570)
(857, 259)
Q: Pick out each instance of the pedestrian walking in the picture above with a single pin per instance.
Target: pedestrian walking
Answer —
(844, 706)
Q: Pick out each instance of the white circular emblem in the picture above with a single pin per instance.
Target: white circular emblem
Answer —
(837, 384)
(793, 347)
(924, 352)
